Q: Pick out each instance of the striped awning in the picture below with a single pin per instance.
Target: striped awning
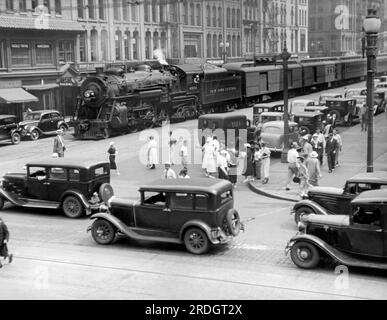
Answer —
(16, 95)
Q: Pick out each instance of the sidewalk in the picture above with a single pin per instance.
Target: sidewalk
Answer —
(353, 159)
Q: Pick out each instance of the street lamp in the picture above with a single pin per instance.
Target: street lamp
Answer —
(371, 27)
(224, 47)
(285, 56)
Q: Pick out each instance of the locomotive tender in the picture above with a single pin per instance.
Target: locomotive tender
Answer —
(116, 101)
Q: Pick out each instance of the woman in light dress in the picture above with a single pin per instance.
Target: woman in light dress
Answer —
(152, 153)
(209, 164)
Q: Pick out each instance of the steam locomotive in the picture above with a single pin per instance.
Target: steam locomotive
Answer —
(132, 97)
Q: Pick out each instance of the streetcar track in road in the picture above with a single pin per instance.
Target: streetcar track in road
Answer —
(192, 277)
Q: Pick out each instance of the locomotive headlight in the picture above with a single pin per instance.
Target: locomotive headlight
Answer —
(88, 94)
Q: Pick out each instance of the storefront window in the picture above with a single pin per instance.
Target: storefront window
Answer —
(82, 47)
(20, 54)
(43, 53)
(2, 56)
(66, 51)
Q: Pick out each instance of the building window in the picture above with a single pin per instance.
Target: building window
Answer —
(214, 46)
(233, 18)
(233, 46)
(66, 51)
(175, 45)
(58, 7)
(185, 13)
(22, 5)
(101, 9)
(91, 8)
(228, 17)
(162, 13)
(118, 40)
(2, 55)
(127, 45)
(147, 45)
(82, 47)
(154, 12)
(125, 10)
(192, 46)
(135, 45)
(43, 53)
(302, 42)
(146, 11)
(93, 45)
(198, 15)
(238, 18)
(20, 53)
(220, 17)
(134, 13)
(239, 46)
(9, 5)
(208, 45)
(80, 9)
(173, 12)
(192, 13)
(46, 3)
(163, 40)
(156, 40)
(208, 12)
(214, 16)
(117, 9)
(104, 44)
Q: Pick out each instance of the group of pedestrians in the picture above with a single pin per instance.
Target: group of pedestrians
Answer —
(305, 161)
(256, 161)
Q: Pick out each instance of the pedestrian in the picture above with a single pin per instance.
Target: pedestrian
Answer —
(248, 162)
(209, 158)
(183, 174)
(232, 163)
(168, 172)
(184, 153)
(152, 153)
(292, 164)
(222, 165)
(330, 151)
(257, 162)
(265, 162)
(339, 147)
(172, 145)
(112, 153)
(321, 137)
(4, 238)
(318, 147)
(364, 117)
(303, 176)
(313, 166)
(327, 129)
(59, 145)
(306, 146)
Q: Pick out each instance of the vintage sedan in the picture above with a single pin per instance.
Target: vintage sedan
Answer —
(74, 186)
(259, 108)
(308, 122)
(329, 200)
(9, 129)
(42, 122)
(350, 93)
(266, 117)
(357, 239)
(323, 97)
(299, 105)
(272, 134)
(193, 212)
(343, 110)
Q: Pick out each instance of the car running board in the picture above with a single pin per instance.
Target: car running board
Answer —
(134, 233)
(34, 203)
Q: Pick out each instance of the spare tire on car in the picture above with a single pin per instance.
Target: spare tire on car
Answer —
(105, 192)
(233, 222)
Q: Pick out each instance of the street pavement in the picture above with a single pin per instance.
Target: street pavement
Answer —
(352, 159)
(55, 258)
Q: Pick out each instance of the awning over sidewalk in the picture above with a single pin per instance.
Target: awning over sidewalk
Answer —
(16, 95)
(41, 87)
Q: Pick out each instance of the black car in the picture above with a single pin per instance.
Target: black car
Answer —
(42, 122)
(308, 122)
(9, 129)
(357, 239)
(343, 110)
(76, 187)
(329, 200)
(194, 212)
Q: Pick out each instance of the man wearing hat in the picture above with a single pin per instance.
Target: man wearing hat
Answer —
(168, 172)
(292, 164)
(265, 162)
(318, 147)
(306, 146)
(313, 166)
(330, 151)
(59, 145)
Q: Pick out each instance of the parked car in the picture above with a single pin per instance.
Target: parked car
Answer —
(357, 239)
(9, 129)
(222, 124)
(308, 122)
(323, 97)
(42, 122)
(194, 212)
(268, 116)
(266, 107)
(349, 93)
(343, 110)
(272, 134)
(380, 100)
(329, 200)
(381, 85)
(299, 105)
(69, 185)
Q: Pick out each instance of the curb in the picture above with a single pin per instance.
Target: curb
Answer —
(267, 194)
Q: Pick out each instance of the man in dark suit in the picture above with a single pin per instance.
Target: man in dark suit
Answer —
(330, 150)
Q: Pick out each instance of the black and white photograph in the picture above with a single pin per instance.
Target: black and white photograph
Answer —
(193, 150)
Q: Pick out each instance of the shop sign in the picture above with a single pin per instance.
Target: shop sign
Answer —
(66, 81)
(19, 45)
(43, 46)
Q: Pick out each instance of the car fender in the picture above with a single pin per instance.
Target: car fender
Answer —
(198, 224)
(112, 219)
(29, 129)
(6, 196)
(312, 205)
(62, 122)
(77, 194)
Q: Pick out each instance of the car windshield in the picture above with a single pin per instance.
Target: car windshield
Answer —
(32, 116)
(272, 129)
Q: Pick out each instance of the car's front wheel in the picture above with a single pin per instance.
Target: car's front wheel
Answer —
(301, 212)
(34, 135)
(72, 207)
(63, 128)
(15, 138)
(103, 231)
(2, 201)
(196, 241)
(305, 255)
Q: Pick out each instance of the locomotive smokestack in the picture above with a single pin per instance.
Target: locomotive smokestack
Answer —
(159, 55)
